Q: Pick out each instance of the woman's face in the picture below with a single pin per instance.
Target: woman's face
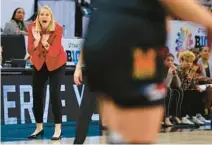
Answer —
(197, 54)
(19, 15)
(169, 61)
(186, 64)
(205, 53)
(44, 18)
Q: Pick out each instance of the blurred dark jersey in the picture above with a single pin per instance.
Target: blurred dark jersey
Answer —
(116, 29)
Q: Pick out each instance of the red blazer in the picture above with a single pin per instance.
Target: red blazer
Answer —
(55, 57)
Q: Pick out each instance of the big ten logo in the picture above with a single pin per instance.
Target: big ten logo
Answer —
(201, 38)
(73, 52)
(184, 39)
(73, 55)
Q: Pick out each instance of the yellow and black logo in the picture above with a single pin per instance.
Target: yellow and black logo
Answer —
(144, 64)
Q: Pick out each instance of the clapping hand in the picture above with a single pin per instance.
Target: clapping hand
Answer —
(36, 34)
(44, 42)
(45, 37)
(172, 70)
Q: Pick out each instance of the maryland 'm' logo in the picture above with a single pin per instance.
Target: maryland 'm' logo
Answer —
(144, 65)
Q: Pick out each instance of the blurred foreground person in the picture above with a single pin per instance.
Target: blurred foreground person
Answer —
(123, 54)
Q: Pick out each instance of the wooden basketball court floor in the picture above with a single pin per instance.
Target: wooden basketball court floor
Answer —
(168, 136)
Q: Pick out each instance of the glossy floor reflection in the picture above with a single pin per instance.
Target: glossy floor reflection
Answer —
(201, 135)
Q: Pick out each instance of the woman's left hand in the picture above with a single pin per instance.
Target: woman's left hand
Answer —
(44, 42)
(45, 37)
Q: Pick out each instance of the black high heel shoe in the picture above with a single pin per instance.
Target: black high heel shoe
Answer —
(57, 138)
(34, 136)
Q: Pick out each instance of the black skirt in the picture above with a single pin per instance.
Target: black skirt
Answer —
(123, 54)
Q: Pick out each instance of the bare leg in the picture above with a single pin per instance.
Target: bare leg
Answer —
(136, 125)
(57, 130)
(39, 127)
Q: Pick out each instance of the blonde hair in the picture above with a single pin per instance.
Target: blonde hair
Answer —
(51, 26)
(187, 55)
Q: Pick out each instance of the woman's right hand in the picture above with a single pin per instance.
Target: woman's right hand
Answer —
(172, 70)
(36, 34)
(78, 75)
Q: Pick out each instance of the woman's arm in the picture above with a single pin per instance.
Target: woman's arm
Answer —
(168, 80)
(178, 81)
(189, 10)
(170, 76)
(32, 42)
(168, 23)
(173, 78)
(80, 61)
(78, 78)
(54, 43)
